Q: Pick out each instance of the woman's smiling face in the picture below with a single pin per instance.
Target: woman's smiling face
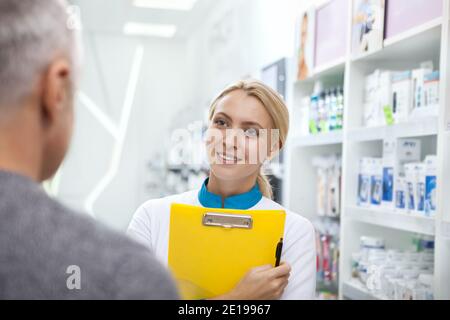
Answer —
(236, 145)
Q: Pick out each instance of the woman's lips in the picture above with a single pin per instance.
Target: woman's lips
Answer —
(227, 158)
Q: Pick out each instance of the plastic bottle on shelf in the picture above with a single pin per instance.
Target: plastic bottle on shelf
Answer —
(314, 115)
(332, 114)
(322, 113)
(327, 109)
(339, 108)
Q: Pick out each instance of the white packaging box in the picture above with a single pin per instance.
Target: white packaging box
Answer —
(410, 187)
(418, 77)
(371, 116)
(401, 95)
(334, 184)
(363, 196)
(430, 185)
(376, 184)
(400, 194)
(431, 89)
(396, 153)
(431, 95)
(415, 186)
(420, 188)
(384, 95)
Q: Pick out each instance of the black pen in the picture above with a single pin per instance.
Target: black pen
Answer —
(278, 253)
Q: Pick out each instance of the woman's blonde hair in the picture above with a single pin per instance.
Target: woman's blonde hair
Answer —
(275, 106)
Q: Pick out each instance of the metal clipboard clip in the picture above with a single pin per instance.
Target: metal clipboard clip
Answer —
(228, 221)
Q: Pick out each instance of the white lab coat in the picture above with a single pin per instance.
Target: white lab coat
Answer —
(150, 226)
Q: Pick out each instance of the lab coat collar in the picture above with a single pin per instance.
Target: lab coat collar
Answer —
(242, 201)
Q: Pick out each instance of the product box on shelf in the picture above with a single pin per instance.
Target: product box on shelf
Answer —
(431, 89)
(397, 152)
(328, 191)
(415, 181)
(364, 182)
(418, 78)
(431, 96)
(396, 96)
(371, 107)
(400, 191)
(401, 95)
(430, 185)
(376, 184)
(334, 187)
(385, 98)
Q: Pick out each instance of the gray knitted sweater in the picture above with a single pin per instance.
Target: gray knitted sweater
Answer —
(49, 252)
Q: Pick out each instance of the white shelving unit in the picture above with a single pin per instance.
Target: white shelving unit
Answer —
(318, 140)
(354, 290)
(430, 41)
(393, 220)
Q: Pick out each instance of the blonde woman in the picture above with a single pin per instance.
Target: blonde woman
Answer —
(238, 116)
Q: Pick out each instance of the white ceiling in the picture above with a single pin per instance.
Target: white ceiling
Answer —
(109, 16)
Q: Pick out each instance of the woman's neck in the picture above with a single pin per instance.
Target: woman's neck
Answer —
(227, 188)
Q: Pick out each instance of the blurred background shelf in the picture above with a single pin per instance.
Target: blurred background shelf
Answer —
(320, 139)
(393, 220)
(405, 49)
(354, 290)
(419, 128)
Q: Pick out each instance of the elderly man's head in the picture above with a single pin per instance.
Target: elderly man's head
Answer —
(37, 64)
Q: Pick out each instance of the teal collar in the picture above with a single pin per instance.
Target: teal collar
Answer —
(242, 201)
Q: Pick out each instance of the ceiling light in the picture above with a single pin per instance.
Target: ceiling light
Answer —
(150, 30)
(184, 5)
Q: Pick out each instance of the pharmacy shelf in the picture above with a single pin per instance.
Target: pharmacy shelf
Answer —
(333, 70)
(354, 290)
(322, 139)
(393, 220)
(418, 128)
(420, 40)
(430, 41)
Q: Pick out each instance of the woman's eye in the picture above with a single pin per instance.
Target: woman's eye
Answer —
(220, 123)
(252, 132)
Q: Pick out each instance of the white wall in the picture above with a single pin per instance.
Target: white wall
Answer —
(160, 94)
(238, 39)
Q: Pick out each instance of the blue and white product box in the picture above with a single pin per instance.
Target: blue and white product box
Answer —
(410, 187)
(420, 188)
(415, 182)
(396, 153)
(401, 95)
(418, 78)
(388, 185)
(430, 185)
(376, 184)
(400, 198)
(431, 95)
(364, 182)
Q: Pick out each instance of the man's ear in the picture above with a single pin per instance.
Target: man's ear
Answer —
(55, 84)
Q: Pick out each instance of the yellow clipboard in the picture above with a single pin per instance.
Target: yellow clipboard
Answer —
(210, 250)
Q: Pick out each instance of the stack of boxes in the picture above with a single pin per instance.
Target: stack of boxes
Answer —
(399, 181)
(396, 96)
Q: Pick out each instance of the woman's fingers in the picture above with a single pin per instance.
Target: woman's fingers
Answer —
(281, 271)
(281, 284)
(262, 268)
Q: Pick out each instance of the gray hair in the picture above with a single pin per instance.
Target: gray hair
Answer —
(32, 32)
